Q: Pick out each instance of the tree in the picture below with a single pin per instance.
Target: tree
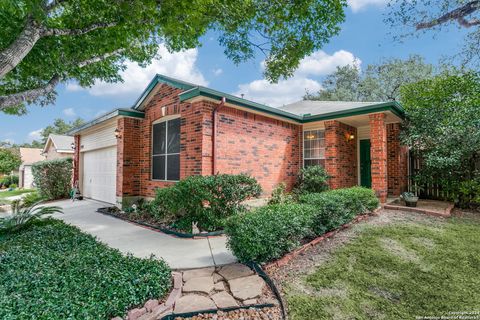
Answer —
(9, 160)
(59, 126)
(379, 82)
(443, 126)
(46, 42)
(435, 15)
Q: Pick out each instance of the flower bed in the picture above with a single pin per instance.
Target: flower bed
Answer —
(270, 232)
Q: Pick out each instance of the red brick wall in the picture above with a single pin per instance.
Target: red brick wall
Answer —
(76, 160)
(128, 157)
(378, 154)
(397, 162)
(264, 148)
(340, 154)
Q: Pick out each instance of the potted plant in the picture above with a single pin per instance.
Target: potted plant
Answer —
(409, 198)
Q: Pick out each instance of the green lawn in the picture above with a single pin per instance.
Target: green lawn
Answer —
(396, 272)
(50, 270)
(16, 192)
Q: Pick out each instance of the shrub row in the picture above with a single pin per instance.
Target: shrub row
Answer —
(8, 181)
(53, 178)
(205, 200)
(269, 232)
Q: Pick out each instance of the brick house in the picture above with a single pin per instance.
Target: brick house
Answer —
(177, 129)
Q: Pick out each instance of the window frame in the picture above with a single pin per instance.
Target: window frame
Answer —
(165, 119)
(303, 145)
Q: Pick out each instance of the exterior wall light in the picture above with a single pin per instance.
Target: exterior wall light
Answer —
(72, 145)
(117, 133)
(349, 136)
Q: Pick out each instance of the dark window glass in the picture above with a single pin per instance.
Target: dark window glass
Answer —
(173, 167)
(159, 138)
(314, 162)
(158, 170)
(173, 139)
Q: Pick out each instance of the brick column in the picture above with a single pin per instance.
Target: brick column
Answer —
(397, 161)
(378, 154)
(76, 160)
(128, 158)
(340, 154)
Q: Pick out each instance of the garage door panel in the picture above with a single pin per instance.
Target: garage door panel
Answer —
(99, 174)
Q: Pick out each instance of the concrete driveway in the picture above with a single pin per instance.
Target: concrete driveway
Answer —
(141, 242)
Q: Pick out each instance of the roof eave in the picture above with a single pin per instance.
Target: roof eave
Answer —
(117, 112)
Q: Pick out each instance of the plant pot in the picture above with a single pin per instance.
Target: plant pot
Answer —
(411, 202)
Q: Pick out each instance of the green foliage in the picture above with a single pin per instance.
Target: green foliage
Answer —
(207, 200)
(312, 179)
(397, 271)
(443, 128)
(50, 270)
(22, 215)
(268, 232)
(31, 198)
(279, 195)
(59, 126)
(336, 207)
(9, 160)
(271, 231)
(13, 186)
(284, 31)
(469, 193)
(6, 181)
(379, 82)
(53, 178)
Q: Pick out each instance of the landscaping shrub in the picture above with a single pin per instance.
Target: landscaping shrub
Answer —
(53, 178)
(312, 179)
(31, 198)
(50, 270)
(7, 181)
(269, 232)
(279, 195)
(337, 207)
(207, 200)
(22, 215)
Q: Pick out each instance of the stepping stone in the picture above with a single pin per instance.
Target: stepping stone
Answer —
(250, 302)
(224, 300)
(194, 302)
(246, 288)
(219, 286)
(196, 273)
(201, 284)
(217, 277)
(236, 270)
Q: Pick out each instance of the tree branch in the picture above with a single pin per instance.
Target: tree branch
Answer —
(31, 95)
(458, 14)
(76, 32)
(28, 95)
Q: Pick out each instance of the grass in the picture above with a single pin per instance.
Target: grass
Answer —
(16, 192)
(396, 272)
(50, 270)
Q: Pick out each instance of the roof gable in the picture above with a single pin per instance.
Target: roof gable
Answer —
(62, 143)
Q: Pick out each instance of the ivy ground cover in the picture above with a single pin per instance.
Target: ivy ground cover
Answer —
(50, 270)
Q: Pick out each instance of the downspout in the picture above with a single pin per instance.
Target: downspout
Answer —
(214, 135)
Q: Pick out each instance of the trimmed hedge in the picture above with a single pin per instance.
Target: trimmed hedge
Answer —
(270, 232)
(312, 179)
(337, 207)
(207, 200)
(53, 178)
(50, 270)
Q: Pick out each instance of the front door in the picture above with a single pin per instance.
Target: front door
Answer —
(365, 164)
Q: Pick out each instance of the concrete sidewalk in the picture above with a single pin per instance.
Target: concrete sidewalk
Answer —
(141, 242)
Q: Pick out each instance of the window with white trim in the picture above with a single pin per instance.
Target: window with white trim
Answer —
(166, 150)
(314, 148)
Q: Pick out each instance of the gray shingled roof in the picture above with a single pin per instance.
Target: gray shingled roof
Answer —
(62, 142)
(306, 107)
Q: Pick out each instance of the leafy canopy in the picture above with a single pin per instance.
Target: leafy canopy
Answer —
(379, 82)
(49, 41)
(9, 160)
(59, 126)
(443, 125)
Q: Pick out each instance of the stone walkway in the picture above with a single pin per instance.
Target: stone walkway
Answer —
(142, 242)
(203, 289)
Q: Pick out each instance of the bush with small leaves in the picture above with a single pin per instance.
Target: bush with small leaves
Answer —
(53, 178)
(312, 179)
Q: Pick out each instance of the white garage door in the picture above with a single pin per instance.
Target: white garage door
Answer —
(99, 174)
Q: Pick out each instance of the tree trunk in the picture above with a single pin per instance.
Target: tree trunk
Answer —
(14, 54)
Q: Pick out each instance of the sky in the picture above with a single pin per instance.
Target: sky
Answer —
(364, 38)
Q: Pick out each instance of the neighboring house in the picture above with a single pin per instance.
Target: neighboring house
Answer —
(177, 129)
(29, 156)
(58, 146)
